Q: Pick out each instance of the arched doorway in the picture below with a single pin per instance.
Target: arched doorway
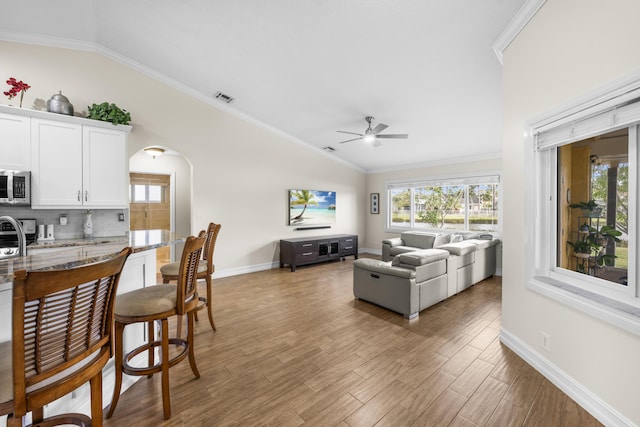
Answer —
(177, 198)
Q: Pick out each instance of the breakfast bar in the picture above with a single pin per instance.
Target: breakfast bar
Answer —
(139, 271)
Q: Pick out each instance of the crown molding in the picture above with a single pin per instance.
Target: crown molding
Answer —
(519, 21)
(48, 41)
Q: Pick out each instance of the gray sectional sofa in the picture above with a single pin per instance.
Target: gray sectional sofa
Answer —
(419, 269)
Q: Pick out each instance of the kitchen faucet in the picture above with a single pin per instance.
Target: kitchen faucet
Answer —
(22, 238)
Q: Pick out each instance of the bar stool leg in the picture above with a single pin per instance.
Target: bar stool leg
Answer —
(166, 403)
(119, 329)
(151, 337)
(95, 384)
(209, 300)
(192, 354)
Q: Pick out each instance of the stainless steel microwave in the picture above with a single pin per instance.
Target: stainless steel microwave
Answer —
(15, 188)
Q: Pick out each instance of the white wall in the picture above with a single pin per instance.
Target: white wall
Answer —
(568, 50)
(241, 172)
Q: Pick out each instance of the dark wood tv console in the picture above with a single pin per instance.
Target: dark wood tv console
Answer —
(311, 250)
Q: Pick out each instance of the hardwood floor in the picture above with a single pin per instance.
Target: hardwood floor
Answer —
(296, 349)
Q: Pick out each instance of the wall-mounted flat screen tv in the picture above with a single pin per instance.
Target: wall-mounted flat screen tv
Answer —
(312, 207)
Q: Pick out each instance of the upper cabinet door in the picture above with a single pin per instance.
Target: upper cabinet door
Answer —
(105, 171)
(56, 164)
(14, 142)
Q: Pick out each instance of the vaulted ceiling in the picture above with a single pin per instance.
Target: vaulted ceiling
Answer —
(308, 68)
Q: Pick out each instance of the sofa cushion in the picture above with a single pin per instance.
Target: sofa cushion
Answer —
(483, 244)
(441, 239)
(460, 248)
(396, 250)
(420, 257)
(418, 239)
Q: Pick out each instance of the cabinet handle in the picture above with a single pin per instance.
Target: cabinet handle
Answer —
(86, 195)
(79, 195)
(307, 253)
(306, 245)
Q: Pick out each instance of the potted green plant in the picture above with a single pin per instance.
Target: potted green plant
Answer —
(109, 113)
(590, 209)
(593, 243)
(581, 248)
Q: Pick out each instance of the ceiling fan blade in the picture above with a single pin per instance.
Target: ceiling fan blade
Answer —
(379, 128)
(394, 135)
(349, 140)
(350, 133)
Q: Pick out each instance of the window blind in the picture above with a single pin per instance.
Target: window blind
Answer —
(590, 120)
(438, 182)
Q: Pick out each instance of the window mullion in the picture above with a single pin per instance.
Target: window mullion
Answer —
(633, 186)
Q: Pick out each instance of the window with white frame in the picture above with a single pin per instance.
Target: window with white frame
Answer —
(582, 204)
(460, 203)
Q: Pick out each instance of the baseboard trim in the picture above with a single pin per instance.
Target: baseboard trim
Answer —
(583, 396)
(246, 269)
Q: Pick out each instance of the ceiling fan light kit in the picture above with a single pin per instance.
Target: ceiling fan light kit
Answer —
(371, 135)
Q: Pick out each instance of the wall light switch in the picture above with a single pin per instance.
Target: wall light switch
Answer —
(121, 217)
(63, 219)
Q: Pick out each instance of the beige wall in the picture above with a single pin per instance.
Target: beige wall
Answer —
(241, 172)
(569, 49)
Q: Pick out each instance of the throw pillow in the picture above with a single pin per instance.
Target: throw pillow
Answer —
(455, 238)
(441, 239)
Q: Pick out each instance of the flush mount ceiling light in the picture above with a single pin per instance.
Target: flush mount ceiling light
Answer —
(154, 151)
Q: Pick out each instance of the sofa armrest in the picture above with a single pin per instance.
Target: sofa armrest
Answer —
(394, 241)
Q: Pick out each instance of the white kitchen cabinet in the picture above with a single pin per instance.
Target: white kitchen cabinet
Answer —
(77, 166)
(56, 164)
(14, 142)
(105, 167)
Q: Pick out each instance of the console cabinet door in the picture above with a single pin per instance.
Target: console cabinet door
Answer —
(15, 142)
(104, 153)
(56, 164)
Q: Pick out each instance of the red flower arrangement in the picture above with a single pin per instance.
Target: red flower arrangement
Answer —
(17, 87)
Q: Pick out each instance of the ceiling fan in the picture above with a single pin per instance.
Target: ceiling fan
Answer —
(371, 135)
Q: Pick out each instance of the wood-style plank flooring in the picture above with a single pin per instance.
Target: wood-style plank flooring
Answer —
(296, 349)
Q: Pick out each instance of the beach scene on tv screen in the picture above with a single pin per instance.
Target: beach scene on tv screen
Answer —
(312, 207)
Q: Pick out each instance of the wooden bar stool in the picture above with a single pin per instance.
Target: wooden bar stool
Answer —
(62, 323)
(156, 304)
(205, 270)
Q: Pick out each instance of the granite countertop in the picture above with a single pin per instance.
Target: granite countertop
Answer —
(76, 252)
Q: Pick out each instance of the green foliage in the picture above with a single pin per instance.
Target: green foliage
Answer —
(587, 206)
(595, 241)
(599, 185)
(438, 203)
(109, 113)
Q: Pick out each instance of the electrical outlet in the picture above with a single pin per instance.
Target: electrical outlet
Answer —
(63, 219)
(546, 341)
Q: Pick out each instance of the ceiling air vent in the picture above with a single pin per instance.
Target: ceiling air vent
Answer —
(329, 149)
(223, 97)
